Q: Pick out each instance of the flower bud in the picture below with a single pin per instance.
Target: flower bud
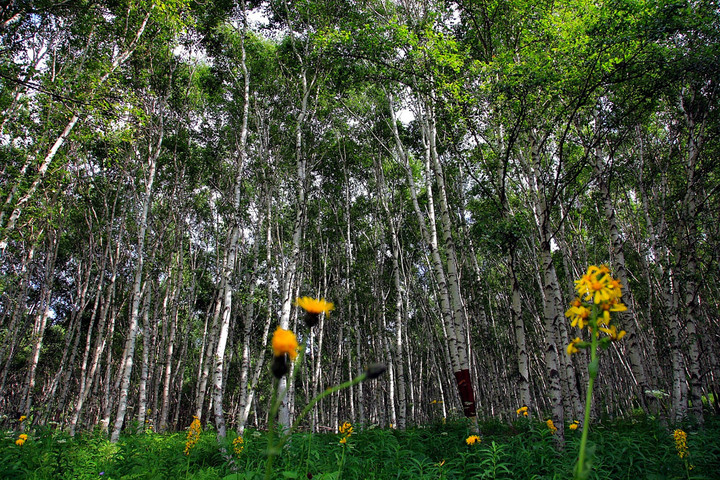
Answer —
(280, 365)
(374, 371)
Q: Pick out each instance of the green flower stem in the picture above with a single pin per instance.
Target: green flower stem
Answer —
(324, 394)
(342, 462)
(581, 472)
(274, 404)
(277, 400)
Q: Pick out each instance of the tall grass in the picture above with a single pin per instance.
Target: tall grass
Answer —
(636, 448)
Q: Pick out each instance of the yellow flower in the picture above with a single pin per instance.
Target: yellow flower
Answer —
(312, 305)
(346, 428)
(597, 285)
(613, 305)
(313, 308)
(284, 341)
(472, 440)
(522, 411)
(193, 434)
(551, 426)
(22, 418)
(613, 333)
(578, 315)
(574, 425)
(238, 445)
(21, 440)
(572, 348)
(681, 443)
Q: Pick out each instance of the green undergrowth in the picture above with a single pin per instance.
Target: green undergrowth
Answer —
(638, 448)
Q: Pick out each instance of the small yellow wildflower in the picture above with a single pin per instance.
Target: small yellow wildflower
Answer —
(522, 411)
(572, 348)
(551, 426)
(597, 285)
(681, 443)
(613, 305)
(21, 440)
(472, 440)
(284, 341)
(613, 333)
(193, 435)
(238, 445)
(574, 425)
(22, 418)
(578, 315)
(346, 428)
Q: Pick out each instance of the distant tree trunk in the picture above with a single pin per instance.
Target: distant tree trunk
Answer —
(127, 360)
(88, 374)
(38, 331)
(61, 378)
(232, 248)
(145, 370)
(288, 288)
(10, 342)
(429, 235)
(634, 348)
(549, 281)
(176, 285)
(519, 330)
(399, 319)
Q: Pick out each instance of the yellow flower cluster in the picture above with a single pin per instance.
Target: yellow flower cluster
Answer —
(522, 411)
(22, 418)
(551, 426)
(193, 434)
(598, 295)
(473, 439)
(346, 430)
(574, 425)
(681, 443)
(21, 440)
(238, 445)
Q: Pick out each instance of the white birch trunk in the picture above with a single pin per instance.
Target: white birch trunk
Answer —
(87, 375)
(38, 331)
(231, 259)
(127, 361)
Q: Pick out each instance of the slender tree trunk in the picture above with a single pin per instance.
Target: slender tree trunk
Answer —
(87, 375)
(399, 317)
(231, 259)
(144, 372)
(519, 330)
(634, 348)
(38, 331)
(127, 361)
(549, 279)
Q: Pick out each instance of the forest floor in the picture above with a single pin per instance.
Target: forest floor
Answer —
(634, 448)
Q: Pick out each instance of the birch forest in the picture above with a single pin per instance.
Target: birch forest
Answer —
(175, 174)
